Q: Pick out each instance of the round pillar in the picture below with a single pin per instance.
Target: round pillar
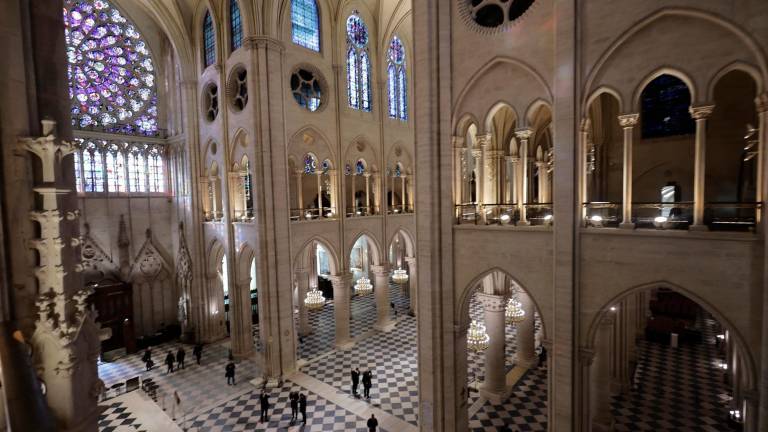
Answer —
(495, 385)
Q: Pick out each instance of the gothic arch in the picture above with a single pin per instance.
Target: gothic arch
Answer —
(298, 145)
(353, 152)
(461, 313)
(599, 91)
(675, 72)
(533, 108)
(197, 30)
(376, 251)
(740, 341)
(245, 256)
(214, 256)
(410, 249)
(463, 123)
(495, 108)
(735, 66)
(239, 143)
(300, 260)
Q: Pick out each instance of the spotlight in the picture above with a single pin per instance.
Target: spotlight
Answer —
(548, 219)
(659, 221)
(613, 308)
(597, 220)
(505, 218)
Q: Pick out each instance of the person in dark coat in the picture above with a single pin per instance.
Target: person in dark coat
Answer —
(229, 372)
(372, 423)
(264, 400)
(294, 400)
(355, 381)
(198, 352)
(147, 359)
(180, 354)
(303, 407)
(169, 359)
(394, 309)
(542, 356)
(367, 378)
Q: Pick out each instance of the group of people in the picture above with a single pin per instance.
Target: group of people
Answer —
(367, 382)
(171, 359)
(298, 402)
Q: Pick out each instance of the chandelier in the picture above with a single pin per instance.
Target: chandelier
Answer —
(477, 338)
(514, 312)
(314, 299)
(399, 276)
(363, 286)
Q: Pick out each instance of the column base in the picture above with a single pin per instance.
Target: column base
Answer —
(261, 382)
(385, 326)
(242, 355)
(497, 397)
(627, 225)
(699, 228)
(345, 345)
(523, 223)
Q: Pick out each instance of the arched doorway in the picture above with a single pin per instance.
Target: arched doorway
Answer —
(401, 259)
(370, 286)
(660, 358)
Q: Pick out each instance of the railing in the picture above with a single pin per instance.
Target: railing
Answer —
(362, 211)
(539, 213)
(467, 213)
(486, 214)
(210, 216)
(400, 209)
(730, 216)
(602, 214)
(676, 215)
(313, 214)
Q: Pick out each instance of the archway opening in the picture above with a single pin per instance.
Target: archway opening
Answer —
(224, 279)
(315, 324)
(362, 258)
(604, 161)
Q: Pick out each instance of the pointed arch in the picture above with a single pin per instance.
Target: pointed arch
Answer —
(675, 72)
(410, 244)
(245, 256)
(599, 91)
(735, 66)
(375, 246)
(300, 260)
(213, 258)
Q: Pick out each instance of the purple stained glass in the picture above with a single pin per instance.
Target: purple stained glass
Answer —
(396, 51)
(111, 73)
(357, 31)
(310, 164)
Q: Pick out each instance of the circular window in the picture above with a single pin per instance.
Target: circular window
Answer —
(307, 88)
(237, 89)
(493, 14)
(211, 102)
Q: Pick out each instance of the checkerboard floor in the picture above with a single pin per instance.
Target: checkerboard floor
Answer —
(242, 414)
(525, 410)
(679, 389)
(117, 418)
(198, 386)
(390, 356)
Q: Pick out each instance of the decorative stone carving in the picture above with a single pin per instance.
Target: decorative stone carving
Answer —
(628, 120)
(149, 262)
(47, 149)
(94, 258)
(183, 277)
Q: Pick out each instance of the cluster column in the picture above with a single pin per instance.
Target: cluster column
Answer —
(333, 177)
(341, 313)
(240, 322)
(302, 282)
(494, 387)
(526, 334)
(522, 175)
(700, 114)
(381, 292)
(627, 122)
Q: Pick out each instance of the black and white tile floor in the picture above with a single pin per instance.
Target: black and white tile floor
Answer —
(117, 418)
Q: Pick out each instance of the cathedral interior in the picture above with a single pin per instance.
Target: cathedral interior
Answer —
(383, 215)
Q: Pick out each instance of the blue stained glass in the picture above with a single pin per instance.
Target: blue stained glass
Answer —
(310, 163)
(156, 172)
(352, 79)
(358, 64)
(403, 96)
(665, 104)
(397, 86)
(93, 170)
(209, 40)
(137, 173)
(360, 167)
(347, 169)
(365, 81)
(305, 24)
(398, 170)
(111, 73)
(396, 51)
(392, 91)
(326, 166)
(116, 172)
(78, 172)
(235, 25)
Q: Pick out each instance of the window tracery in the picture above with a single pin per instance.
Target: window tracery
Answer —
(119, 167)
(307, 89)
(396, 80)
(209, 40)
(305, 24)
(358, 64)
(235, 25)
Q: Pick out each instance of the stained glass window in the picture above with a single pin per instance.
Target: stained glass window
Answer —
(358, 64)
(235, 25)
(93, 169)
(306, 89)
(665, 104)
(397, 86)
(116, 171)
(398, 170)
(347, 169)
(78, 172)
(248, 187)
(137, 172)
(310, 163)
(156, 171)
(360, 167)
(305, 24)
(110, 69)
(209, 40)
(326, 166)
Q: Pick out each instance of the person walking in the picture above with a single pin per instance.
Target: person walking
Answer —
(394, 309)
(294, 399)
(229, 372)
(147, 359)
(180, 354)
(372, 423)
(367, 377)
(176, 407)
(264, 400)
(542, 356)
(169, 359)
(355, 381)
(198, 352)
(303, 407)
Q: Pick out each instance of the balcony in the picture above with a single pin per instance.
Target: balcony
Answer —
(503, 214)
(400, 209)
(211, 216)
(362, 211)
(720, 216)
(308, 214)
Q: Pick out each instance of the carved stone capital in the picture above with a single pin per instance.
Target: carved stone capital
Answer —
(343, 280)
(701, 112)
(380, 270)
(524, 133)
(628, 120)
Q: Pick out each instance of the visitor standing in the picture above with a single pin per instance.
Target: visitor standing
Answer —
(394, 309)
(372, 423)
(229, 372)
(198, 352)
(355, 381)
(367, 378)
(264, 400)
(294, 400)
(147, 358)
(180, 354)
(542, 356)
(169, 359)
(303, 407)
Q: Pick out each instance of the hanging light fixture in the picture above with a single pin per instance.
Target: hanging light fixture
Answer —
(477, 338)
(363, 286)
(514, 312)
(400, 276)
(314, 299)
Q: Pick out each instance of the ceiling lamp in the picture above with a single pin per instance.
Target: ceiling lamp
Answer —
(363, 286)
(514, 313)
(477, 338)
(400, 276)
(314, 299)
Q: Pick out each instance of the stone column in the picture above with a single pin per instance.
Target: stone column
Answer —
(341, 312)
(627, 122)
(761, 107)
(376, 204)
(526, 334)
(300, 192)
(584, 409)
(600, 379)
(494, 387)
(367, 205)
(404, 194)
(214, 182)
(477, 159)
(459, 170)
(302, 282)
(584, 145)
(319, 175)
(240, 320)
(381, 291)
(413, 287)
(700, 114)
(523, 135)
(541, 168)
(334, 191)
(354, 201)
